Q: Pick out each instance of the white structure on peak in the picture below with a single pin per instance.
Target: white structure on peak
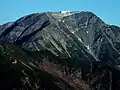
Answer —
(65, 11)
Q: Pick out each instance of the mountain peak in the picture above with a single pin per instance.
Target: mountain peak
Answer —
(81, 40)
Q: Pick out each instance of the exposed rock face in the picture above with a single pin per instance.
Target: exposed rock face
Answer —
(80, 38)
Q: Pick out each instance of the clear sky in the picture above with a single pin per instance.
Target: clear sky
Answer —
(107, 10)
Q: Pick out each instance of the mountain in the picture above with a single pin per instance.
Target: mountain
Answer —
(76, 45)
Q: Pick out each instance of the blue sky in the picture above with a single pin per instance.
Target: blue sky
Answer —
(107, 10)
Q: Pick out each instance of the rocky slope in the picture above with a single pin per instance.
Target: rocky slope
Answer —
(23, 69)
(84, 44)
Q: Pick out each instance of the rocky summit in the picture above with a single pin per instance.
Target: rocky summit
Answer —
(66, 50)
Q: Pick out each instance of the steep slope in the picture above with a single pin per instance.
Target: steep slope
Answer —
(23, 69)
(44, 31)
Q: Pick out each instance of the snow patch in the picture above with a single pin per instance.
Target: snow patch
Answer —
(87, 32)
(79, 39)
(63, 21)
(88, 47)
(59, 20)
(67, 26)
(73, 32)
